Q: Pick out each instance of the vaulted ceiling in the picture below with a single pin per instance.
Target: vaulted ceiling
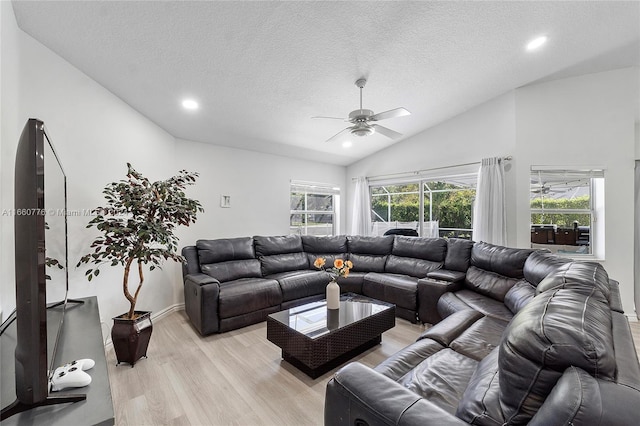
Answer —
(261, 70)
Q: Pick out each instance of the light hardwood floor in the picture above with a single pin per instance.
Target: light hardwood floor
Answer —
(234, 378)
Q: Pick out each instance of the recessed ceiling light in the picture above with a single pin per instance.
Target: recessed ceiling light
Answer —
(347, 144)
(536, 42)
(190, 104)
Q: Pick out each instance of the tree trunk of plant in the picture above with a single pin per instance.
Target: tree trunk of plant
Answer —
(125, 288)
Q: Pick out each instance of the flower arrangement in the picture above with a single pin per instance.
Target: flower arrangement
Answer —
(340, 267)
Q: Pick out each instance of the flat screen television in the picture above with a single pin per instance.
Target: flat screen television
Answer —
(40, 220)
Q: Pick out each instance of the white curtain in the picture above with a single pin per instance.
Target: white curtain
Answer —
(361, 219)
(430, 229)
(489, 219)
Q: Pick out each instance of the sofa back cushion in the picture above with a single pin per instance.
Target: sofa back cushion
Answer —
(228, 259)
(280, 254)
(458, 254)
(480, 403)
(495, 269)
(369, 254)
(540, 264)
(329, 248)
(416, 256)
(580, 276)
(555, 330)
(501, 260)
(519, 295)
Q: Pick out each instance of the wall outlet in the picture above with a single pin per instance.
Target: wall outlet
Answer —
(225, 201)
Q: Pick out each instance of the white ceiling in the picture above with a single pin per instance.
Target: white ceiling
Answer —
(261, 70)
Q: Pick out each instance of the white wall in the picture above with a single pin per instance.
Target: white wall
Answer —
(9, 133)
(487, 130)
(258, 184)
(95, 134)
(585, 120)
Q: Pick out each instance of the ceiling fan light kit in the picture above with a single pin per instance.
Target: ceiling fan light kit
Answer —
(361, 118)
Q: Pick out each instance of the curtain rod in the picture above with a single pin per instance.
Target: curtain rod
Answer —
(418, 172)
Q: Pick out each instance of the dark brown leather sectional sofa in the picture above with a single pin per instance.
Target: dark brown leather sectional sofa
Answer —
(527, 338)
(520, 336)
(232, 283)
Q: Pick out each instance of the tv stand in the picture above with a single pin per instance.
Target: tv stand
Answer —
(19, 407)
(81, 337)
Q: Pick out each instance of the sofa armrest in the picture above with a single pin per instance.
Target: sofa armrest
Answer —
(201, 302)
(447, 275)
(615, 301)
(447, 330)
(190, 264)
(359, 395)
(200, 279)
(429, 291)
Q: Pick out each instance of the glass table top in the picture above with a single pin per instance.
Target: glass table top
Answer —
(315, 320)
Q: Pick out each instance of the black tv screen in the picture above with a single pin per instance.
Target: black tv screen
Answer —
(40, 264)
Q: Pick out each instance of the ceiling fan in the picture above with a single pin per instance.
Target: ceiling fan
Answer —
(362, 118)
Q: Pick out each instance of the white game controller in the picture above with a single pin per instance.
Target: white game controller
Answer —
(71, 375)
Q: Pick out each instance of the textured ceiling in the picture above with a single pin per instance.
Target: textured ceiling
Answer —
(261, 70)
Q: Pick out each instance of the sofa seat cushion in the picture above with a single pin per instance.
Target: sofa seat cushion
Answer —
(480, 403)
(482, 337)
(299, 284)
(442, 378)
(400, 290)
(406, 359)
(247, 295)
(465, 299)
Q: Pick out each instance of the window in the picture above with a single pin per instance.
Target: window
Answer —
(434, 207)
(567, 210)
(314, 208)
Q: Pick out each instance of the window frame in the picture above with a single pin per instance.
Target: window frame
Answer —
(595, 209)
(422, 182)
(314, 188)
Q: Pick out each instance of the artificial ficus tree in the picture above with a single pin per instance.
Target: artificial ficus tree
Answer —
(137, 226)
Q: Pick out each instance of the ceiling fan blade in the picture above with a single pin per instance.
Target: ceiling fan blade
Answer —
(386, 132)
(332, 118)
(340, 134)
(392, 113)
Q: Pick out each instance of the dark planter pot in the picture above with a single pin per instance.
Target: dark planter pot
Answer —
(131, 337)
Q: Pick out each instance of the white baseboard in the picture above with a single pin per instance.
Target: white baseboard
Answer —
(108, 344)
(632, 317)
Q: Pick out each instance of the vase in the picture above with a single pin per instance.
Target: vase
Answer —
(131, 337)
(333, 295)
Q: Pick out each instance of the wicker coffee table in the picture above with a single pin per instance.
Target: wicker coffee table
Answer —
(316, 340)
